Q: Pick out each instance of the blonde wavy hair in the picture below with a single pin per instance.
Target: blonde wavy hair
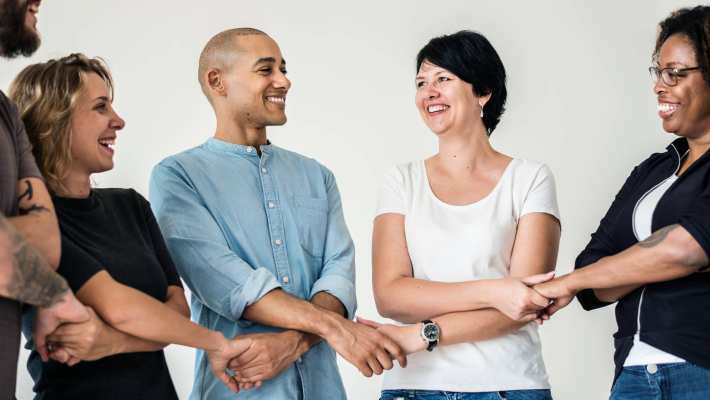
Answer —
(45, 94)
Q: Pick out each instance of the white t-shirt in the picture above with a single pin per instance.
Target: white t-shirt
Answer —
(449, 243)
(642, 353)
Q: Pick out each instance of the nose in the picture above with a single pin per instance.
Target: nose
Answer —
(660, 87)
(281, 81)
(431, 92)
(117, 123)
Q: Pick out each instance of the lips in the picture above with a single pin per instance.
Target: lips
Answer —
(277, 99)
(436, 109)
(667, 109)
(107, 143)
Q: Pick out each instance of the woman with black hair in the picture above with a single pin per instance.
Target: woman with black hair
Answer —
(648, 251)
(459, 238)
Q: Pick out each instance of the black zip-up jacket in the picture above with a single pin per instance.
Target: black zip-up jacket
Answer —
(674, 316)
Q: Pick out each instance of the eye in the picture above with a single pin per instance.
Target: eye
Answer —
(419, 84)
(265, 71)
(283, 71)
(101, 107)
(443, 79)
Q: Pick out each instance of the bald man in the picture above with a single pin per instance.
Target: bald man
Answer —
(258, 234)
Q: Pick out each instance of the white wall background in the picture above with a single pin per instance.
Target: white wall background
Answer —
(579, 99)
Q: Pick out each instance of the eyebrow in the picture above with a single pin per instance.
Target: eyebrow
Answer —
(418, 77)
(268, 60)
(101, 98)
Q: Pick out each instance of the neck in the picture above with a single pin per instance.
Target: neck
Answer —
(76, 185)
(698, 146)
(465, 151)
(232, 131)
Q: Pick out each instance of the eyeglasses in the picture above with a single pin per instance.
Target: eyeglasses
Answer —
(670, 76)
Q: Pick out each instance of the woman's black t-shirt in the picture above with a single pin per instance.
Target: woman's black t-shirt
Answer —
(112, 230)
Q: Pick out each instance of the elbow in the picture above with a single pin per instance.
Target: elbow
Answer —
(390, 308)
(682, 249)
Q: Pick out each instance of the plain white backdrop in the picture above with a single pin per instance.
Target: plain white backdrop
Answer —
(579, 100)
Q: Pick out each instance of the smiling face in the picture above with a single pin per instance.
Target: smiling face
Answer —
(685, 107)
(446, 102)
(255, 86)
(94, 124)
(18, 27)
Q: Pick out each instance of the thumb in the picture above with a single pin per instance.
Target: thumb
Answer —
(537, 279)
(367, 322)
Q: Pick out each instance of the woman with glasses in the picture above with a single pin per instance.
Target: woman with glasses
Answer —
(651, 249)
(458, 239)
(113, 255)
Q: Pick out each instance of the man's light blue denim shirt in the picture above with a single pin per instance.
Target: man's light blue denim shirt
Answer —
(238, 226)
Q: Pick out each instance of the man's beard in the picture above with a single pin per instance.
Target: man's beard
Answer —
(15, 37)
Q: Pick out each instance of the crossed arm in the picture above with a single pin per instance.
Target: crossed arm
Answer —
(669, 253)
(465, 311)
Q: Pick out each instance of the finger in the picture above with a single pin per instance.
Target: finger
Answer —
(250, 374)
(537, 279)
(244, 359)
(396, 351)
(374, 365)
(73, 361)
(227, 380)
(384, 358)
(41, 347)
(60, 355)
(364, 368)
(370, 323)
(538, 299)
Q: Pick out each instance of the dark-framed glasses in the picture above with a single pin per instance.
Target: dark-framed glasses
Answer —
(670, 76)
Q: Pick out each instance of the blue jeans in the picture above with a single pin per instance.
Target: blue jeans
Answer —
(536, 394)
(677, 381)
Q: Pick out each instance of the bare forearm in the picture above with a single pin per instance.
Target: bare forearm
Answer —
(613, 294)
(279, 309)
(37, 222)
(670, 253)
(25, 275)
(39, 229)
(125, 343)
(478, 325)
(411, 300)
(137, 314)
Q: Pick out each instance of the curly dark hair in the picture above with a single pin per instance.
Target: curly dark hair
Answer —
(472, 58)
(693, 23)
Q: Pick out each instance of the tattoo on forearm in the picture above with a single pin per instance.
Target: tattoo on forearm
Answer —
(27, 277)
(657, 236)
(27, 194)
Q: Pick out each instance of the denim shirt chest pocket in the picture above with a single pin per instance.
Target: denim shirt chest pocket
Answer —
(311, 215)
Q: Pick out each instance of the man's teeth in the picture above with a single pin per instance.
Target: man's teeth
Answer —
(275, 99)
(667, 107)
(437, 107)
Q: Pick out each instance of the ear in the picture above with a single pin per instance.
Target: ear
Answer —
(482, 100)
(215, 82)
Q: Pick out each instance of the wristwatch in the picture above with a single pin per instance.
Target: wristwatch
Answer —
(430, 333)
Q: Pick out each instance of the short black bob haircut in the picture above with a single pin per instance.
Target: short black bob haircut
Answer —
(472, 58)
(693, 23)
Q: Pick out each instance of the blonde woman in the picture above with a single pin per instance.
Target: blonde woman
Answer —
(113, 254)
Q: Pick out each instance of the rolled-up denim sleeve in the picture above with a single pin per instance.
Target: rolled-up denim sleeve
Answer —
(214, 273)
(337, 276)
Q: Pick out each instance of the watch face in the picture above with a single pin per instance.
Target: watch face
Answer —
(431, 332)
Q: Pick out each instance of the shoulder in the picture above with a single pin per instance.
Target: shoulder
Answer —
(529, 170)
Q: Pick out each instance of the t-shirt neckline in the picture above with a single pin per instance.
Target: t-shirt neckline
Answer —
(430, 191)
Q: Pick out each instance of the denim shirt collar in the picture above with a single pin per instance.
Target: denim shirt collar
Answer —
(221, 146)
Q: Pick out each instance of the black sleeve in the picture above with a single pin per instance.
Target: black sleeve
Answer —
(76, 265)
(161, 249)
(601, 243)
(697, 220)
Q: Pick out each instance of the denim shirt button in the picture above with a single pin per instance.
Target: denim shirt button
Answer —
(263, 170)
(652, 368)
(278, 242)
(284, 279)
